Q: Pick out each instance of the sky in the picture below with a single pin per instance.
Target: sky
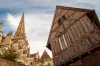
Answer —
(38, 18)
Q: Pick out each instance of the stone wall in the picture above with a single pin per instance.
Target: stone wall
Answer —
(9, 63)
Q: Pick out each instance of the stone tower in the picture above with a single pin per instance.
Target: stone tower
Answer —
(20, 33)
(19, 43)
(1, 34)
(20, 37)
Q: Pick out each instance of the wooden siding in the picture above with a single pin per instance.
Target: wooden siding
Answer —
(75, 35)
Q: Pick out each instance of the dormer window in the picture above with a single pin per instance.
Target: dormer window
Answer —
(61, 20)
(63, 17)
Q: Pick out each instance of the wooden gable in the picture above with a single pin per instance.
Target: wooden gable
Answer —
(65, 17)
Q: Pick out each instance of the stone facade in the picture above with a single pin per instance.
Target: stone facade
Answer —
(18, 42)
(35, 59)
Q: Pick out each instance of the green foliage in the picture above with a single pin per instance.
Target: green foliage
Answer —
(10, 55)
(49, 64)
(41, 65)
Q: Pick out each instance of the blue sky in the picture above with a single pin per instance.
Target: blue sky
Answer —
(38, 17)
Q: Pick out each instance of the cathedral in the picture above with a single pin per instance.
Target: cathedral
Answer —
(20, 44)
(17, 42)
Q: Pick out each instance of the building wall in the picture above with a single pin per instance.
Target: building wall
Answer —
(91, 60)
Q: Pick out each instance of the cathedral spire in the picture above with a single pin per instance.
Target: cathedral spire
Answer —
(20, 33)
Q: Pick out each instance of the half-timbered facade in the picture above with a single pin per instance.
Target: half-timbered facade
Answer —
(74, 33)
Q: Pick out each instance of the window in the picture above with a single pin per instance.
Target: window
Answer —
(68, 37)
(65, 41)
(61, 20)
(60, 43)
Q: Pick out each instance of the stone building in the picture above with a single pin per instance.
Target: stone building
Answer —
(36, 58)
(44, 60)
(19, 42)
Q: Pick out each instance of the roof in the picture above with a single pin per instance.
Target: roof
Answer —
(33, 55)
(73, 14)
(73, 8)
(45, 55)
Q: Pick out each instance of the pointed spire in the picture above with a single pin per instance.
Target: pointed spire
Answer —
(20, 33)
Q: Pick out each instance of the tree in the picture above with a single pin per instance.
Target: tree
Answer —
(49, 64)
(41, 65)
(10, 55)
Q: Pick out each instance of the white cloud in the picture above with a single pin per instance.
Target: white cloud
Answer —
(90, 1)
(12, 20)
(44, 6)
(37, 29)
(39, 0)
